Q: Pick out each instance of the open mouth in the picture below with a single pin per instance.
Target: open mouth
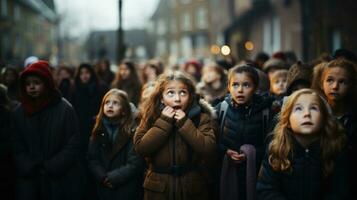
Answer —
(334, 94)
(307, 124)
(240, 97)
(177, 107)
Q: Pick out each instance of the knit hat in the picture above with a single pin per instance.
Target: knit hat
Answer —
(273, 63)
(42, 70)
(298, 73)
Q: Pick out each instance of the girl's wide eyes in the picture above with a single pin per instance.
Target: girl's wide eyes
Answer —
(112, 102)
(245, 85)
(172, 93)
(298, 108)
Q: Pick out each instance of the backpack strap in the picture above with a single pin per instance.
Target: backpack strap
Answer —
(265, 115)
(222, 115)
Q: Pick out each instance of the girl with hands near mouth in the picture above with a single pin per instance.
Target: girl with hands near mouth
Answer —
(176, 136)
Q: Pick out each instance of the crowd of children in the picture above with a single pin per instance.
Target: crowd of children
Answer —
(259, 130)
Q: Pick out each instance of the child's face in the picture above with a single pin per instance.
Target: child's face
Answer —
(124, 71)
(242, 88)
(176, 95)
(112, 106)
(305, 117)
(335, 84)
(278, 85)
(84, 75)
(191, 69)
(34, 86)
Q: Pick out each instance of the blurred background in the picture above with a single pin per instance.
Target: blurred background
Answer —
(67, 31)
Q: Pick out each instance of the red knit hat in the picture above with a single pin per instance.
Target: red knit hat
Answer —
(42, 70)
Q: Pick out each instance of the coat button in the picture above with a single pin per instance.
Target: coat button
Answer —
(103, 145)
(102, 134)
(307, 150)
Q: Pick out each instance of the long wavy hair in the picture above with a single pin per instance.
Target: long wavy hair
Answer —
(150, 109)
(351, 71)
(332, 137)
(133, 79)
(125, 117)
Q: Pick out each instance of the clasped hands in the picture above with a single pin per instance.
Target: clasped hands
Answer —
(170, 112)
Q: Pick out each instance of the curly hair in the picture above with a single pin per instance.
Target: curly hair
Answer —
(149, 111)
(332, 137)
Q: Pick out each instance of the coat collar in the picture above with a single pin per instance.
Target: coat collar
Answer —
(119, 143)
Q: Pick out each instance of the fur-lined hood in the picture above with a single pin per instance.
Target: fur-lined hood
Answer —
(201, 106)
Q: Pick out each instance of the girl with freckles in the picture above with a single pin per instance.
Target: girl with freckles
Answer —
(305, 159)
(176, 136)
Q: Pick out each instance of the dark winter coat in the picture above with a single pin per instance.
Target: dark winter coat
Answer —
(86, 100)
(47, 149)
(46, 142)
(305, 181)
(7, 170)
(188, 143)
(349, 122)
(119, 162)
(244, 125)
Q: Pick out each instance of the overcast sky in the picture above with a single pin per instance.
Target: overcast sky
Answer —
(81, 16)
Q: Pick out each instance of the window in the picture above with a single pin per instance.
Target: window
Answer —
(173, 25)
(161, 27)
(276, 40)
(160, 47)
(186, 47)
(336, 40)
(186, 21)
(4, 8)
(17, 12)
(201, 18)
(271, 35)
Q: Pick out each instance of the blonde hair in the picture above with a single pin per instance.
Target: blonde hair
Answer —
(125, 119)
(332, 137)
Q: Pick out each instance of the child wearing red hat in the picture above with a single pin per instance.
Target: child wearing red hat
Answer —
(47, 142)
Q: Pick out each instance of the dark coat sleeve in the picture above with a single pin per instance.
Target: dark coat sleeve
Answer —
(268, 186)
(70, 153)
(339, 179)
(95, 165)
(25, 165)
(132, 168)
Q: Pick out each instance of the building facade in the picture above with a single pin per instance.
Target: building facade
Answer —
(28, 28)
(186, 29)
(306, 27)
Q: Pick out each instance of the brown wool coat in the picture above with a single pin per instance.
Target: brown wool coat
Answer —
(157, 144)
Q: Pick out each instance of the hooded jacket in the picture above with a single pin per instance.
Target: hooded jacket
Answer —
(189, 143)
(47, 143)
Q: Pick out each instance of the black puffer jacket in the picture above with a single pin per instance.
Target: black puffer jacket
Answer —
(244, 125)
(305, 182)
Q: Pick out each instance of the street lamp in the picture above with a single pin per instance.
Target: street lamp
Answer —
(120, 39)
